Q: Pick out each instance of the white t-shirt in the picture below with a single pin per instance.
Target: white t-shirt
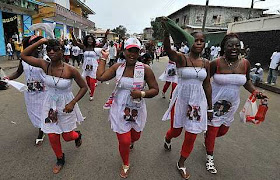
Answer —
(67, 50)
(275, 59)
(186, 49)
(9, 47)
(75, 50)
(112, 52)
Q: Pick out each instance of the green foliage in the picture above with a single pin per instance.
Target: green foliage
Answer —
(120, 30)
(157, 28)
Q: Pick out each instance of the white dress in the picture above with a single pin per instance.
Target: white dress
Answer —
(119, 121)
(34, 97)
(226, 97)
(170, 73)
(91, 62)
(190, 101)
(56, 98)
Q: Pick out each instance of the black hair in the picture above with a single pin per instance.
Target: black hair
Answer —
(226, 38)
(85, 42)
(196, 32)
(26, 42)
(53, 42)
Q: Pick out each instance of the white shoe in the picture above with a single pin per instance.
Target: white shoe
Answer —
(272, 84)
(167, 146)
(107, 82)
(91, 98)
(210, 166)
(266, 82)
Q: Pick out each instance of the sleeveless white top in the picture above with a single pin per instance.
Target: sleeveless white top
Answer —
(189, 100)
(225, 97)
(122, 100)
(91, 60)
(34, 99)
(57, 97)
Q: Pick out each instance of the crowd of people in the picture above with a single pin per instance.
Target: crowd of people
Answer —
(196, 104)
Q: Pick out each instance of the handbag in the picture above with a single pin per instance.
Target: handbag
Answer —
(253, 113)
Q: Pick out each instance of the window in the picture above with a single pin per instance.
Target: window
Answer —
(235, 19)
(177, 20)
(185, 19)
(215, 18)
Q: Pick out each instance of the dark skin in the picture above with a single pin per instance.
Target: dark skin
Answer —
(55, 68)
(91, 46)
(232, 50)
(183, 61)
(131, 56)
(17, 74)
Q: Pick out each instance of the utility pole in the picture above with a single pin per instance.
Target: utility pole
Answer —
(250, 10)
(205, 15)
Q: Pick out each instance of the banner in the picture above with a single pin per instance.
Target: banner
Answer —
(9, 19)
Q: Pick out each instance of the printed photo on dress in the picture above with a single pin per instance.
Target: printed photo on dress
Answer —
(89, 67)
(35, 86)
(193, 113)
(171, 72)
(52, 116)
(221, 107)
(130, 114)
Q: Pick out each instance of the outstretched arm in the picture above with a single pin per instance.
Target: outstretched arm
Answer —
(75, 42)
(18, 72)
(102, 74)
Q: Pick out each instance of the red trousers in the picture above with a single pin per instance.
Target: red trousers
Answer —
(166, 86)
(211, 134)
(189, 140)
(124, 142)
(91, 84)
(55, 141)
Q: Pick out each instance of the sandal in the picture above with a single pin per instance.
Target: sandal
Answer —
(59, 164)
(131, 146)
(78, 141)
(39, 142)
(183, 172)
(167, 146)
(124, 171)
(210, 166)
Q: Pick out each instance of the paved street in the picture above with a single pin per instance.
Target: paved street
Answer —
(247, 152)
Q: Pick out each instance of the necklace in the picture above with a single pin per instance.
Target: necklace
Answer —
(197, 71)
(55, 83)
(232, 65)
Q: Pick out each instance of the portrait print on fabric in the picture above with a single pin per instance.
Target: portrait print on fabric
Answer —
(193, 113)
(221, 107)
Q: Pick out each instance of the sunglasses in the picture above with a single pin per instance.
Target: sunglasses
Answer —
(54, 48)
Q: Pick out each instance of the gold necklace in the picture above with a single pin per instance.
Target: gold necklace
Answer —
(232, 65)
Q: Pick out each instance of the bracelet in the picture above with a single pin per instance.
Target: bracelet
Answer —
(210, 110)
(103, 59)
(143, 94)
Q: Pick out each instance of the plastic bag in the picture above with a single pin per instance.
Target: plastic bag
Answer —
(47, 27)
(253, 113)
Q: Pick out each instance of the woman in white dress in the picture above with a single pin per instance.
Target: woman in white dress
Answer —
(60, 111)
(229, 72)
(191, 100)
(128, 112)
(34, 79)
(91, 56)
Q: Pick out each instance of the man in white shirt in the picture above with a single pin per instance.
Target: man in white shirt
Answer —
(186, 49)
(272, 72)
(75, 55)
(112, 53)
(256, 73)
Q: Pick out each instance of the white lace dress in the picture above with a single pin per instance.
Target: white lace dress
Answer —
(91, 62)
(225, 97)
(124, 113)
(34, 97)
(56, 98)
(190, 101)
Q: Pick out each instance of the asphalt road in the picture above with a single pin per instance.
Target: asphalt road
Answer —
(246, 152)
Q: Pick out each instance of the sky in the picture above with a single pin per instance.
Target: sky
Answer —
(136, 15)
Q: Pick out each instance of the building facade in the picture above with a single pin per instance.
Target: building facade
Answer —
(190, 17)
(67, 14)
(148, 33)
(100, 33)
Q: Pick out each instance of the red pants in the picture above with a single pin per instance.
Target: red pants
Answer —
(211, 135)
(166, 86)
(91, 84)
(55, 141)
(124, 142)
(189, 140)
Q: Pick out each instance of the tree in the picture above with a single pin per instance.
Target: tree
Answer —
(120, 30)
(157, 28)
